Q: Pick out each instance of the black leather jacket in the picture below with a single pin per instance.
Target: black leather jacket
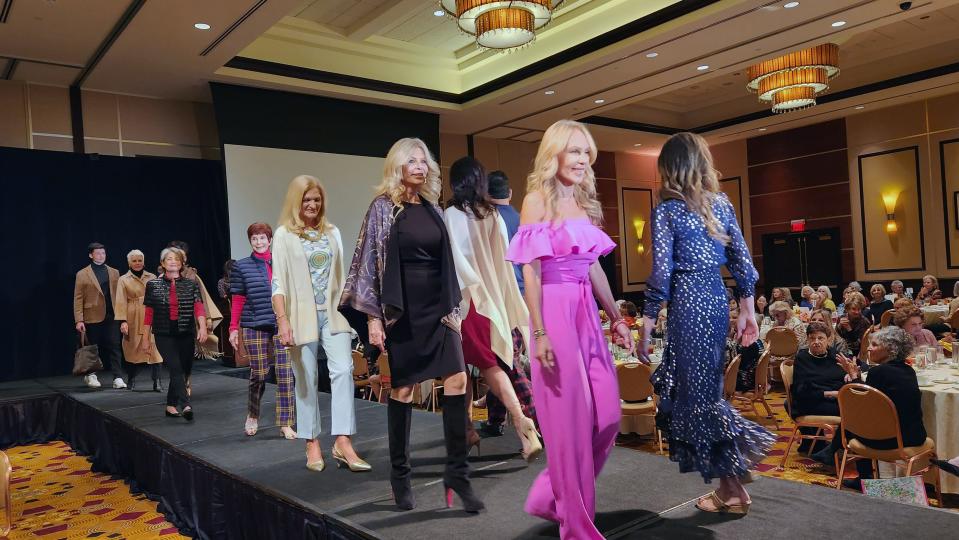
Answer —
(157, 296)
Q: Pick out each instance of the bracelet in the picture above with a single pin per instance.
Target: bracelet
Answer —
(539, 333)
(613, 326)
(283, 316)
(373, 319)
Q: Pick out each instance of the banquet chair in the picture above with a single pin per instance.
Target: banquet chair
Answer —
(6, 471)
(383, 366)
(870, 414)
(864, 344)
(729, 378)
(361, 374)
(758, 393)
(886, 318)
(782, 344)
(953, 320)
(825, 425)
(636, 393)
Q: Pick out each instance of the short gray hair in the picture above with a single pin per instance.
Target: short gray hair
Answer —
(854, 285)
(135, 253)
(895, 340)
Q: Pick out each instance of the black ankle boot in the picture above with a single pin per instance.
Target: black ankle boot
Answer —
(131, 381)
(456, 476)
(398, 427)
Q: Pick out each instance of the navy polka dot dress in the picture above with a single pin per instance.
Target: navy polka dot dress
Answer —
(706, 433)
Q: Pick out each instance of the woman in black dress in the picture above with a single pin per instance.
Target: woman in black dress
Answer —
(403, 282)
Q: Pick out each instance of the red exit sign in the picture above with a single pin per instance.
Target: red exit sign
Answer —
(797, 225)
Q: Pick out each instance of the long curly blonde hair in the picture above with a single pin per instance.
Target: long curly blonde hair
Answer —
(686, 169)
(290, 213)
(396, 158)
(546, 165)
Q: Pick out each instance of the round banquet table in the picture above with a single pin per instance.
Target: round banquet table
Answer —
(934, 314)
(940, 415)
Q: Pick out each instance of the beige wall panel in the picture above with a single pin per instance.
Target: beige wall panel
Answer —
(50, 109)
(943, 112)
(452, 147)
(487, 152)
(731, 161)
(635, 167)
(13, 115)
(889, 174)
(100, 115)
(59, 144)
(135, 149)
(157, 120)
(636, 248)
(107, 148)
(516, 160)
(948, 151)
(886, 124)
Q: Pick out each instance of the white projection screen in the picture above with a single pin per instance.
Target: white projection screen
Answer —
(257, 179)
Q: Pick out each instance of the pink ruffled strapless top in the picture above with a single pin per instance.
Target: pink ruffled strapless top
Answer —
(565, 251)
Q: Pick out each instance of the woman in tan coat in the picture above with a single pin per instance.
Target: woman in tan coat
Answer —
(129, 313)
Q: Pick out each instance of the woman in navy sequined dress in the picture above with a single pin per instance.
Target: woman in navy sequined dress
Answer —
(695, 232)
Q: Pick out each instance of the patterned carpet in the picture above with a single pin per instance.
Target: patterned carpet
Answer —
(56, 495)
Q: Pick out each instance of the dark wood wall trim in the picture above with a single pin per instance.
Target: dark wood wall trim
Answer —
(948, 220)
(862, 213)
(622, 236)
(76, 119)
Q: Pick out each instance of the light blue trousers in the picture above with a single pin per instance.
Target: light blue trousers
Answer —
(339, 361)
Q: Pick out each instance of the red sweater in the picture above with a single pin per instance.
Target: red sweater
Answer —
(198, 310)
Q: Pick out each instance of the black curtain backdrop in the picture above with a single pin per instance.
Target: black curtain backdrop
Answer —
(55, 203)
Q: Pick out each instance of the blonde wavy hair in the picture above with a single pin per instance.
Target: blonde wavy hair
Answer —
(396, 159)
(686, 169)
(290, 213)
(546, 165)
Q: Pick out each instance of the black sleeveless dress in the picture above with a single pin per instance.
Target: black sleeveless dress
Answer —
(420, 346)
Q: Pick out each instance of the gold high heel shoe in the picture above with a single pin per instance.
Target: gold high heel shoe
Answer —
(355, 466)
(317, 466)
(531, 436)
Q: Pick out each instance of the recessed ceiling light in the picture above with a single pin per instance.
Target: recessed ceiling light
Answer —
(201, 26)
(762, 129)
(860, 107)
(702, 67)
(439, 13)
(638, 144)
(837, 24)
(652, 54)
(790, 5)
(549, 92)
(599, 101)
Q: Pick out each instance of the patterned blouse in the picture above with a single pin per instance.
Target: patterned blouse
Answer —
(319, 256)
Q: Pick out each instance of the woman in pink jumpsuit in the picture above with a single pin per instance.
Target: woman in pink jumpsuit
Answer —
(574, 380)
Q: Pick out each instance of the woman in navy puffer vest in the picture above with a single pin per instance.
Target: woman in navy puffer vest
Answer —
(252, 313)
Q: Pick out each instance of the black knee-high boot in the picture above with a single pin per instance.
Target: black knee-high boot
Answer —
(132, 370)
(398, 426)
(456, 476)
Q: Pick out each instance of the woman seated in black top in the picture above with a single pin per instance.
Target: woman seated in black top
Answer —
(878, 304)
(748, 356)
(888, 349)
(817, 376)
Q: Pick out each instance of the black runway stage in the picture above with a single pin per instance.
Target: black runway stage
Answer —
(213, 481)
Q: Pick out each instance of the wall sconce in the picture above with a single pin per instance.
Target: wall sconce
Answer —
(640, 225)
(889, 200)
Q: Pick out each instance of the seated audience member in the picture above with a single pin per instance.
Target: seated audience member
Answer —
(762, 306)
(835, 342)
(877, 304)
(888, 350)
(628, 311)
(855, 286)
(929, 293)
(897, 290)
(951, 466)
(817, 377)
(910, 319)
(826, 295)
(783, 316)
(805, 294)
(749, 356)
(841, 308)
(659, 331)
(852, 324)
(815, 301)
(903, 303)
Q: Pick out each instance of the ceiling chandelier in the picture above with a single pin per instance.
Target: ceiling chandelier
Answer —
(501, 24)
(793, 81)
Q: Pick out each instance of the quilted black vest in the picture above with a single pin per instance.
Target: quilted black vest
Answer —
(158, 297)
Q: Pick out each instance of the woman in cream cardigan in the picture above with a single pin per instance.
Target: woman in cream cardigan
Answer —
(307, 281)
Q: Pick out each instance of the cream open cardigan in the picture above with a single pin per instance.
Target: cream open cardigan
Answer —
(486, 278)
(292, 273)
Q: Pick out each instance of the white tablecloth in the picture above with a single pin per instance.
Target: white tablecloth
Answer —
(934, 314)
(940, 415)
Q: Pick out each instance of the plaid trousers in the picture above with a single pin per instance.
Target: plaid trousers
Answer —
(495, 409)
(264, 350)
